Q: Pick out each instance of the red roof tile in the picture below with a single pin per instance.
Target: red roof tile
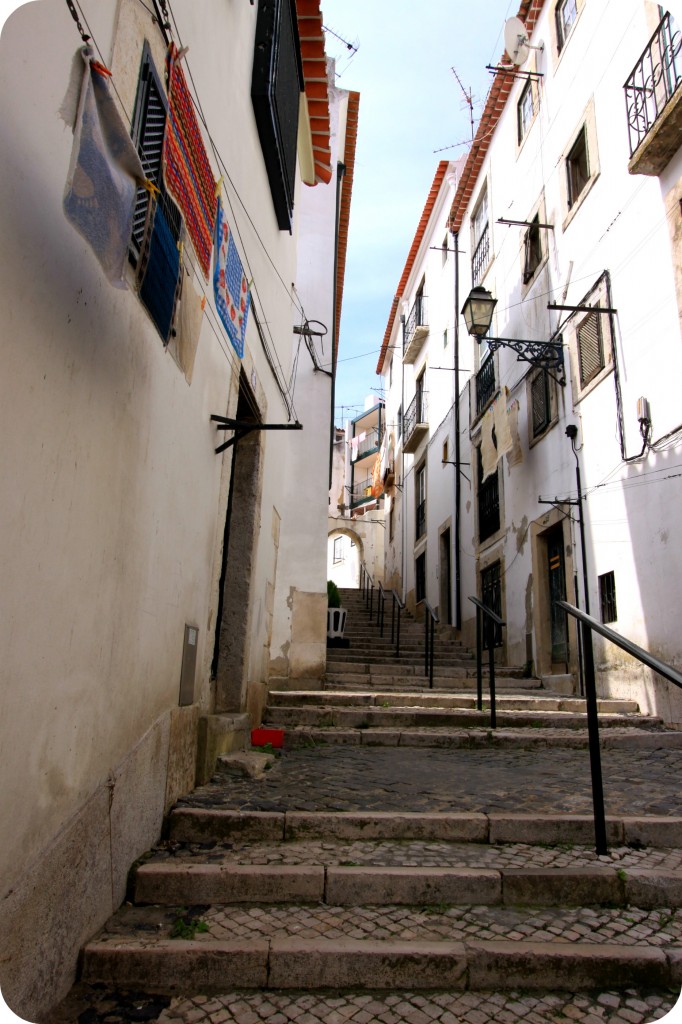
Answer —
(311, 34)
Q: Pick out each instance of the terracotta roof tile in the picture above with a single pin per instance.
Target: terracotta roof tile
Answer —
(311, 34)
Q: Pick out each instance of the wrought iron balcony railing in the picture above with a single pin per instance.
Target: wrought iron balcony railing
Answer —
(654, 80)
(417, 413)
(481, 257)
(485, 383)
(417, 324)
(371, 442)
(360, 491)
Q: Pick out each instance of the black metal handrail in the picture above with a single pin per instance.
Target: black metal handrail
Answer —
(491, 620)
(396, 604)
(430, 621)
(588, 625)
(653, 82)
(367, 588)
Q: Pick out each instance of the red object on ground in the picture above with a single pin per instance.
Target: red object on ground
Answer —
(259, 737)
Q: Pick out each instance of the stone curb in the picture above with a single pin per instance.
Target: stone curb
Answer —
(172, 883)
(211, 966)
(194, 824)
(614, 738)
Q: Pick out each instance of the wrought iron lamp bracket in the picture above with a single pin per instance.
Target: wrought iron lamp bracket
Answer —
(546, 355)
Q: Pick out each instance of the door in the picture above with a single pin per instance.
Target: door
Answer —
(445, 578)
(557, 592)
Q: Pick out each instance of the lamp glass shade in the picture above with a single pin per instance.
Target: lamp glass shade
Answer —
(478, 311)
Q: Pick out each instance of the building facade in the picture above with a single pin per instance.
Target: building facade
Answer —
(151, 579)
(566, 213)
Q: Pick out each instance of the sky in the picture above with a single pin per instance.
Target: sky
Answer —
(411, 108)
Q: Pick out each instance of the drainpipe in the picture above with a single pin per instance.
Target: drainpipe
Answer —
(340, 171)
(458, 481)
(403, 507)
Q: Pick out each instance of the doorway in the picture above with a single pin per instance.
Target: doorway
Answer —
(445, 560)
(556, 575)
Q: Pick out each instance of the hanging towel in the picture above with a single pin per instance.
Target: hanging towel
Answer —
(189, 320)
(186, 168)
(489, 455)
(103, 174)
(230, 287)
(159, 271)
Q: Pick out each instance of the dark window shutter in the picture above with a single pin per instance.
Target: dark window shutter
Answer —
(539, 391)
(590, 348)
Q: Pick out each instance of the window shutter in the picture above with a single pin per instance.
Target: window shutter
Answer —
(590, 348)
(147, 133)
(540, 410)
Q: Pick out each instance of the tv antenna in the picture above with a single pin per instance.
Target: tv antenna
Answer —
(516, 41)
(349, 46)
(468, 99)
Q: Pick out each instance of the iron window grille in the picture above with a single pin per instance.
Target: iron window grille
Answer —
(491, 596)
(420, 577)
(276, 86)
(590, 348)
(540, 398)
(488, 503)
(607, 597)
(577, 167)
(565, 13)
(532, 250)
(481, 240)
(485, 383)
(147, 131)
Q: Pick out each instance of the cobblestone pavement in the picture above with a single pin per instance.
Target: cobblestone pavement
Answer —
(407, 779)
(411, 1008)
(629, 927)
(97, 1005)
(413, 853)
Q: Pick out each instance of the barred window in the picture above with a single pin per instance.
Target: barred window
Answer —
(590, 348)
(540, 400)
(607, 597)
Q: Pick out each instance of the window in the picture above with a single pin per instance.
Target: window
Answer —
(445, 339)
(540, 403)
(147, 131)
(390, 372)
(480, 240)
(445, 450)
(276, 86)
(445, 250)
(577, 168)
(338, 550)
(525, 111)
(420, 577)
(607, 597)
(420, 529)
(491, 596)
(565, 13)
(488, 502)
(400, 421)
(590, 348)
(532, 250)
(391, 521)
(485, 383)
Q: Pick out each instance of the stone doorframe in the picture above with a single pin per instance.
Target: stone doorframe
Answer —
(539, 531)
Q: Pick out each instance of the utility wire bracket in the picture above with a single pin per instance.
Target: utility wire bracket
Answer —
(243, 427)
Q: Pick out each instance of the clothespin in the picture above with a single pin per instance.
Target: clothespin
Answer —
(96, 66)
(219, 186)
(181, 53)
(151, 187)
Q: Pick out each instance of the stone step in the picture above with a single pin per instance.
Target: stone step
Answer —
(505, 702)
(204, 825)
(403, 718)
(267, 951)
(457, 680)
(303, 737)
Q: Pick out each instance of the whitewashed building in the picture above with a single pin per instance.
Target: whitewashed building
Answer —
(152, 586)
(567, 213)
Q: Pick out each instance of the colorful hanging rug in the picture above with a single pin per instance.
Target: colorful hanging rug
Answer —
(186, 168)
(230, 287)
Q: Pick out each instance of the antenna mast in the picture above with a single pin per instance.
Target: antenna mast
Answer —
(469, 100)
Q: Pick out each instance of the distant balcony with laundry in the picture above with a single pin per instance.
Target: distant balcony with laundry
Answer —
(653, 99)
(416, 422)
(367, 443)
(416, 330)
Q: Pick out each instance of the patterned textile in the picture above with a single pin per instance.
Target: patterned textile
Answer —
(159, 271)
(102, 180)
(186, 169)
(231, 289)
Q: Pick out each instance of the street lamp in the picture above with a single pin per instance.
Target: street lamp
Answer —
(478, 314)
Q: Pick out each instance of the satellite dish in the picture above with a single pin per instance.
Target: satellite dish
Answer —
(516, 41)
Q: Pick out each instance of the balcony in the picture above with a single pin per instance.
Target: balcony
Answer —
(415, 423)
(485, 384)
(416, 329)
(653, 100)
(368, 444)
(361, 492)
(481, 257)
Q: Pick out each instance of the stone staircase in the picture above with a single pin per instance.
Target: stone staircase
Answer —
(401, 861)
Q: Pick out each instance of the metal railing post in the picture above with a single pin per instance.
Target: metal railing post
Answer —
(593, 737)
(433, 626)
(491, 667)
(479, 660)
(397, 639)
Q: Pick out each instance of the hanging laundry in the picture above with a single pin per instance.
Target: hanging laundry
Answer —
(103, 175)
(489, 453)
(377, 482)
(159, 270)
(505, 414)
(186, 169)
(230, 287)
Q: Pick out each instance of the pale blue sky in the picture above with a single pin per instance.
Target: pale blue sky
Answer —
(410, 105)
